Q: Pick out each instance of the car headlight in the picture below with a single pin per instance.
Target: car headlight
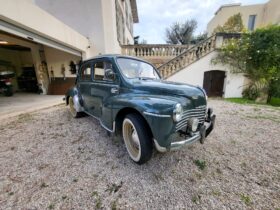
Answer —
(177, 112)
(193, 124)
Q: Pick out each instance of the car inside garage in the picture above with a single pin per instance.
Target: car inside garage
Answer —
(36, 68)
(18, 59)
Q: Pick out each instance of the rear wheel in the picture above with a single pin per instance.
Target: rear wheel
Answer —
(137, 138)
(72, 108)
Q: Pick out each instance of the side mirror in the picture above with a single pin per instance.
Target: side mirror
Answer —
(110, 74)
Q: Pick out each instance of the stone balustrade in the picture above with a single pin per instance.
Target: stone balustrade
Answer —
(169, 59)
(189, 56)
(154, 50)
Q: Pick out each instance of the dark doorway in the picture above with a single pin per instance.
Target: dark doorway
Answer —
(213, 83)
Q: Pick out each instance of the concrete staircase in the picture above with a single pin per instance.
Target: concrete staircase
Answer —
(171, 59)
(188, 57)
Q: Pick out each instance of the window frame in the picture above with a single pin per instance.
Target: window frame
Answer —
(103, 81)
(82, 69)
(252, 22)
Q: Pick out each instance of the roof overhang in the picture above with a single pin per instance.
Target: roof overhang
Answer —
(134, 11)
(227, 5)
(26, 20)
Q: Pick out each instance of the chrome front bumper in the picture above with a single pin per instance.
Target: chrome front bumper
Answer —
(201, 135)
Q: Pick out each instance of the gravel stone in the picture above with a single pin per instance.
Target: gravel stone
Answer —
(51, 161)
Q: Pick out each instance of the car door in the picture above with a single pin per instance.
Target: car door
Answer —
(84, 83)
(104, 86)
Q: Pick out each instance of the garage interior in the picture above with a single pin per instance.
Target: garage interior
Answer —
(38, 68)
(18, 59)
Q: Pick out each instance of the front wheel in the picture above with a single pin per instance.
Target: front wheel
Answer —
(137, 138)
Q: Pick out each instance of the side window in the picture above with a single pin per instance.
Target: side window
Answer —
(86, 72)
(251, 22)
(103, 71)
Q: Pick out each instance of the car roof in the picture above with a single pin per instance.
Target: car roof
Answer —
(113, 56)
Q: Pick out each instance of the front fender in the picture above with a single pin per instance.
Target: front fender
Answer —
(74, 93)
(157, 111)
(70, 92)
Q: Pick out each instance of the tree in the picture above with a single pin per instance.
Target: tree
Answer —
(143, 41)
(181, 33)
(234, 24)
(199, 38)
(256, 54)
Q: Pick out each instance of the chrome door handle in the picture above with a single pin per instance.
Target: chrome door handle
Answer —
(114, 90)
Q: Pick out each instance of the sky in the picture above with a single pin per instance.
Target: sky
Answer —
(156, 15)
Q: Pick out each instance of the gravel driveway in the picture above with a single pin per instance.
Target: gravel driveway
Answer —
(51, 161)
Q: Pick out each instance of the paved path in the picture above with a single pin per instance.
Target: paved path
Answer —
(21, 103)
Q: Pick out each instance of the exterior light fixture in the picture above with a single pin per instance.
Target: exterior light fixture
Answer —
(3, 42)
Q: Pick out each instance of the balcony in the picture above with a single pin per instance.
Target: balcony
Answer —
(157, 54)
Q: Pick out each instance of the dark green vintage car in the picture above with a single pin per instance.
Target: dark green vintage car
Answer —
(129, 98)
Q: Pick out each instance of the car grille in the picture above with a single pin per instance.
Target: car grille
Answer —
(199, 112)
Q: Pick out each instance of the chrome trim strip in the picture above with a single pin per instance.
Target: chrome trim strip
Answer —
(156, 115)
(114, 123)
(178, 144)
(108, 84)
(195, 112)
(201, 118)
(198, 112)
(195, 109)
(185, 124)
(158, 147)
(112, 131)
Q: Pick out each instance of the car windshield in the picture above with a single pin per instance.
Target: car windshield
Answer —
(137, 69)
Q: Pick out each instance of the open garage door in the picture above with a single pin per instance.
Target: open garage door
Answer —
(38, 68)
(17, 31)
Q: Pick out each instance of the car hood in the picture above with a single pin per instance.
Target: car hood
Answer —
(161, 87)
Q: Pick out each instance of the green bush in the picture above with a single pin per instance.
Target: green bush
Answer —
(251, 92)
(274, 101)
(274, 88)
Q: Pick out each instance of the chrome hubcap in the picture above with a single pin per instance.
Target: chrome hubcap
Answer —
(131, 140)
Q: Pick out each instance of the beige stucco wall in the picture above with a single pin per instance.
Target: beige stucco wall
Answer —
(194, 75)
(272, 12)
(25, 14)
(268, 13)
(56, 58)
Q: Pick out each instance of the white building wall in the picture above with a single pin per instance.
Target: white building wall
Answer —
(28, 16)
(194, 74)
(84, 16)
(95, 19)
(110, 31)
